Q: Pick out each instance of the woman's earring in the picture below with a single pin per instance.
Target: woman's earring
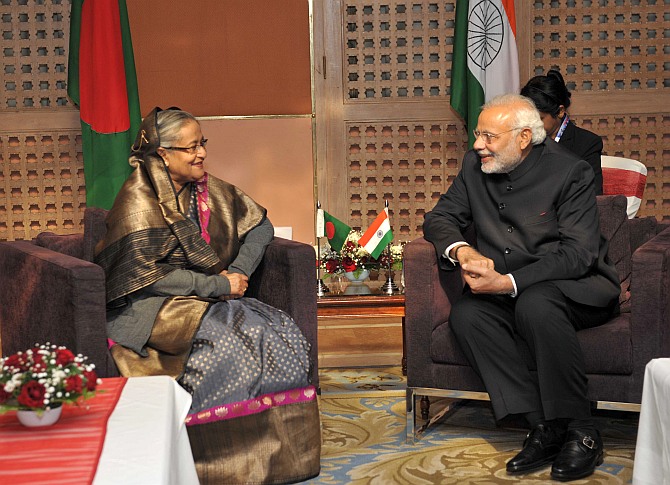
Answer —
(167, 164)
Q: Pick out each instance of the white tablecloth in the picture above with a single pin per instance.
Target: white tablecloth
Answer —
(652, 451)
(146, 441)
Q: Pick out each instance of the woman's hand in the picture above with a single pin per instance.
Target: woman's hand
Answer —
(238, 283)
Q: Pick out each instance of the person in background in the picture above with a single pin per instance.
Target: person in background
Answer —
(539, 274)
(179, 250)
(552, 98)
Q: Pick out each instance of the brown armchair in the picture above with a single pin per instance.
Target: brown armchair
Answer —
(51, 291)
(615, 353)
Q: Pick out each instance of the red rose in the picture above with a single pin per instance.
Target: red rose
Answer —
(331, 265)
(17, 361)
(32, 395)
(64, 357)
(91, 379)
(74, 384)
(349, 264)
(38, 363)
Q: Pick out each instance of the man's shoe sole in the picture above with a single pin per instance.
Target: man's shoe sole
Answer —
(532, 466)
(566, 477)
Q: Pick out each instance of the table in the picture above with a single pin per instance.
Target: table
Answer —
(134, 430)
(652, 450)
(364, 306)
(146, 440)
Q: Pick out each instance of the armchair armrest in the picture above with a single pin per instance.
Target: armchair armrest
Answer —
(650, 300)
(428, 296)
(52, 297)
(286, 279)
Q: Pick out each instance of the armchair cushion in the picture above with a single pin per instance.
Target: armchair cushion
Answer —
(72, 245)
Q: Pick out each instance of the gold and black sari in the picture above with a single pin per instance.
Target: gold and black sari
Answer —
(254, 417)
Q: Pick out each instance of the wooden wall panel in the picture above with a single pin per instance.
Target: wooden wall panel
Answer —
(271, 160)
(230, 57)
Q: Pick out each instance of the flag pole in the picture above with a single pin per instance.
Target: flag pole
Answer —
(321, 288)
(389, 288)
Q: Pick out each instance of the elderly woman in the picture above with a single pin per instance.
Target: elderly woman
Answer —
(552, 99)
(179, 250)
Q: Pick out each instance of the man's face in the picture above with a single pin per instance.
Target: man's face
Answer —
(498, 145)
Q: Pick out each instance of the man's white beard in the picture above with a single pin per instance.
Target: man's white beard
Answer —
(503, 162)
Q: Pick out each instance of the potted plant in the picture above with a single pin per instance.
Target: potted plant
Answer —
(39, 381)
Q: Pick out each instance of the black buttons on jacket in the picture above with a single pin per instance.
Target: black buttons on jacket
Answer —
(509, 188)
(510, 228)
(508, 250)
(501, 206)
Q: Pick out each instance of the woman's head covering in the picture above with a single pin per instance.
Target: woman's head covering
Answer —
(148, 236)
(147, 140)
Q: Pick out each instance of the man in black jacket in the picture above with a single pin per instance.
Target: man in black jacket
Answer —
(539, 273)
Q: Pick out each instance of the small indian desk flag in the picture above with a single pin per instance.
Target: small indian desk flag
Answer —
(378, 235)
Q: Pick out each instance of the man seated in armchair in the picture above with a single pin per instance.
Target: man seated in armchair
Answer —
(539, 273)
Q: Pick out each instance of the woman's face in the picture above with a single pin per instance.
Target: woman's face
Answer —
(552, 123)
(184, 163)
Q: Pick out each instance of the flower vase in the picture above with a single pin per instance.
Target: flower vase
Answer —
(356, 285)
(32, 419)
(357, 280)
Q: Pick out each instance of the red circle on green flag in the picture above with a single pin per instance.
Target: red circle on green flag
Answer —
(330, 230)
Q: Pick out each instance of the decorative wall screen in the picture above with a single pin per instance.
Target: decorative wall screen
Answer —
(398, 50)
(41, 169)
(401, 140)
(407, 164)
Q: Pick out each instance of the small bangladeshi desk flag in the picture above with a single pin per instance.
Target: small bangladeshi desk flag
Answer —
(102, 82)
(378, 235)
(485, 61)
(334, 229)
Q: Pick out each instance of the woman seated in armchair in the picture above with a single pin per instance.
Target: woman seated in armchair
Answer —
(180, 247)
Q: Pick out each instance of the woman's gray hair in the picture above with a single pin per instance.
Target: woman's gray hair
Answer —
(526, 116)
(169, 124)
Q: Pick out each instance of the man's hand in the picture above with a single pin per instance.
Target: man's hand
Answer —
(238, 283)
(484, 279)
(467, 254)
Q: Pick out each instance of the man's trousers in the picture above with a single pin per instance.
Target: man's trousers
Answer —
(488, 329)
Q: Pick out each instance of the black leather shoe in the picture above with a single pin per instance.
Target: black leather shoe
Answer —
(579, 457)
(540, 447)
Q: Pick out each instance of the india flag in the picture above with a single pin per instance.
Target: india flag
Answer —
(102, 82)
(485, 62)
(378, 235)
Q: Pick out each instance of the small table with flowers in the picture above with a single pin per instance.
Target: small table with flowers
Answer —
(144, 440)
(347, 335)
(359, 323)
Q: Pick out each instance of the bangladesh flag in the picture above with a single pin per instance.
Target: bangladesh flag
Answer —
(102, 82)
(334, 229)
(485, 62)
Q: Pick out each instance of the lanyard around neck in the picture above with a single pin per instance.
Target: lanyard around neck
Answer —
(566, 120)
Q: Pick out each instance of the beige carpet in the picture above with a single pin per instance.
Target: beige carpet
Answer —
(363, 420)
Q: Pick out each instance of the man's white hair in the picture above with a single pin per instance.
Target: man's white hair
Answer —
(525, 115)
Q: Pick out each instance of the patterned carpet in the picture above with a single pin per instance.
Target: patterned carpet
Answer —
(363, 420)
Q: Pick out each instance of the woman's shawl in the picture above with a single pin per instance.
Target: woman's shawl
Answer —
(147, 234)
